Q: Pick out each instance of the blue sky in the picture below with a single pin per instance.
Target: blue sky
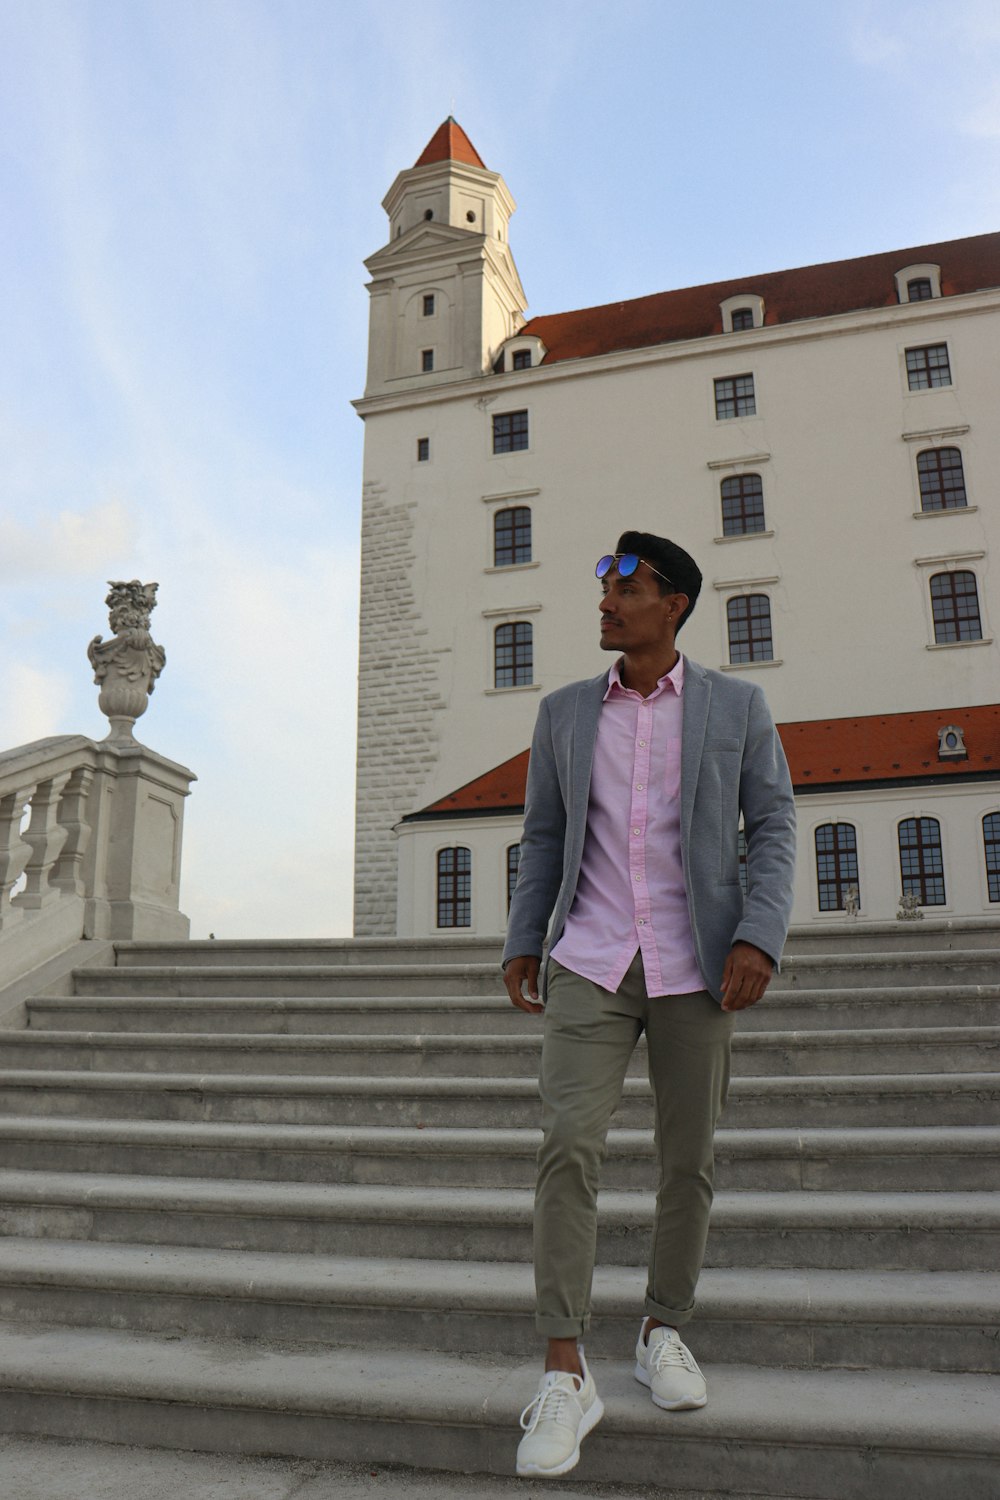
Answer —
(187, 193)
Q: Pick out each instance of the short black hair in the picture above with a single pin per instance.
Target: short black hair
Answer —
(679, 566)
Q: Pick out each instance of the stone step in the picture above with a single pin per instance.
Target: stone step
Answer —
(943, 1231)
(761, 1054)
(859, 970)
(820, 1435)
(921, 1160)
(807, 1319)
(820, 1009)
(876, 1099)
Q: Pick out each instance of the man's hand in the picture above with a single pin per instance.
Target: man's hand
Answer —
(518, 972)
(745, 977)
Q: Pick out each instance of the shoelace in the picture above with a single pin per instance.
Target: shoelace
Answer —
(555, 1398)
(669, 1353)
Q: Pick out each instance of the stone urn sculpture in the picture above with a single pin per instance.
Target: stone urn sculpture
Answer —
(127, 666)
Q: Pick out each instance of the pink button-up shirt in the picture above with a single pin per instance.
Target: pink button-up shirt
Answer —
(631, 893)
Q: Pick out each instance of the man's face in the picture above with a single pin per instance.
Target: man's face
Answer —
(635, 616)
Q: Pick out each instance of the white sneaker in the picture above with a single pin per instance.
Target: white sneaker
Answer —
(564, 1410)
(668, 1367)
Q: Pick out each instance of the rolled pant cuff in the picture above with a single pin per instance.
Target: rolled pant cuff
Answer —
(676, 1317)
(562, 1328)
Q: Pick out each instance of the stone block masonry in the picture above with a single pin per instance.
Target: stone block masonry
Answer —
(399, 703)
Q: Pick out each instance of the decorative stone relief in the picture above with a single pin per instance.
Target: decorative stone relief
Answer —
(851, 901)
(126, 666)
(909, 908)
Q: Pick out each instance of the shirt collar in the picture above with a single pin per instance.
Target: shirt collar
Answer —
(675, 679)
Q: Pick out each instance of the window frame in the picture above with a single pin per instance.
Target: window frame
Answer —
(740, 481)
(428, 311)
(522, 654)
(936, 451)
(427, 361)
(841, 878)
(423, 450)
(921, 875)
(735, 397)
(516, 430)
(516, 526)
(992, 861)
(938, 618)
(460, 887)
(511, 867)
(923, 366)
(746, 599)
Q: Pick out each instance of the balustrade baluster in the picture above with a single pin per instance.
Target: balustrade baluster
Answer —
(68, 870)
(46, 837)
(15, 852)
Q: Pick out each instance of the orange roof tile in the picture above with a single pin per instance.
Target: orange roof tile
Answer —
(821, 752)
(449, 143)
(839, 286)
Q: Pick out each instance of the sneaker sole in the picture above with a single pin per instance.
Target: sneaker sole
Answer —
(590, 1420)
(687, 1403)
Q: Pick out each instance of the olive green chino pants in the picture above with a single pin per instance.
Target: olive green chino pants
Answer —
(589, 1037)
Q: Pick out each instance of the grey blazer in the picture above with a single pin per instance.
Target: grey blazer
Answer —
(731, 762)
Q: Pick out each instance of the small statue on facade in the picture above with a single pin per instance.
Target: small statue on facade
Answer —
(126, 666)
(909, 907)
(852, 903)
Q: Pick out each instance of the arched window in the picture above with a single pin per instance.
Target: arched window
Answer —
(512, 536)
(512, 655)
(742, 505)
(991, 841)
(942, 479)
(921, 863)
(749, 620)
(955, 603)
(836, 864)
(454, 887)
(513, 865)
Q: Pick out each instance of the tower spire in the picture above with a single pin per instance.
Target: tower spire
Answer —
(449, 143)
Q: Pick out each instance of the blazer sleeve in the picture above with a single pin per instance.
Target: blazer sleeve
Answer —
(540, 869)
(768, 808)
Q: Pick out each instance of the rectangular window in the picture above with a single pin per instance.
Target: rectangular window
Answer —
(991, 840)
(521, 359)
(749, 620)
(742, 318)
(426, 360)
(512, 656)
(919, 289)
(510, 431)
(921, 862)
(512, 536)
(454, 887)
(928, 367)
(428, 304)
(423, 450)
(742, 505)
(513, 864)
(734, 397)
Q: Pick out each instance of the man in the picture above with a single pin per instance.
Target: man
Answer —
(636, 783)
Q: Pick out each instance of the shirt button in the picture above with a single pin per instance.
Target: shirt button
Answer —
(638, 786)
(638, 877)
(643, 744)
(641, 922)
(637, 831)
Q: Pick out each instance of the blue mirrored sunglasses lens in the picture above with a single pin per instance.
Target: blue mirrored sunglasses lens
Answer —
(604, 566)
(627, 564)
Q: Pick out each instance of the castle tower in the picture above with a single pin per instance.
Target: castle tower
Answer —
(445, 292)
(445, 295)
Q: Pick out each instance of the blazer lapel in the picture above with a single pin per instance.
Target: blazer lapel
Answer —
(697, 698)
(585, 722)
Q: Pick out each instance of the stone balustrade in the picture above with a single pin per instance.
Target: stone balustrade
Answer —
(90, 831)
(99, 855)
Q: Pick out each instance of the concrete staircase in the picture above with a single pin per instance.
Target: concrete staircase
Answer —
(275, 1198)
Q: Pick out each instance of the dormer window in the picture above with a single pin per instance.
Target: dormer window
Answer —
(522, 351)
(741, 312)
(918, 283)
(521, 359)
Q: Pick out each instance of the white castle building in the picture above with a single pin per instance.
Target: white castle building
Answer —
(823, 440)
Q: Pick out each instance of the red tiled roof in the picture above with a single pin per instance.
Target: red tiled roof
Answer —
(501, 788)
(839, 286)
(821, 752)
(449, 143)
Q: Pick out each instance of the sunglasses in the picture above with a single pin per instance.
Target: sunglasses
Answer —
(627, 563)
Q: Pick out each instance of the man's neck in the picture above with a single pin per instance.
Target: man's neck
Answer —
(641, 674)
